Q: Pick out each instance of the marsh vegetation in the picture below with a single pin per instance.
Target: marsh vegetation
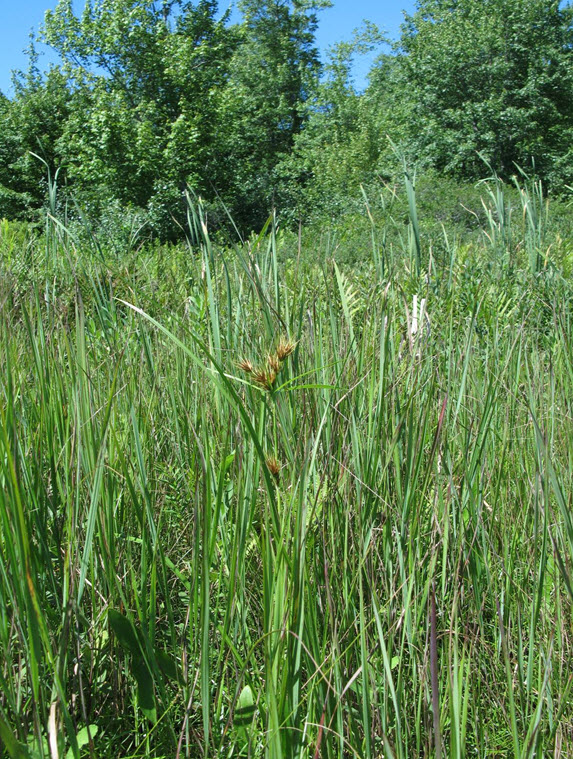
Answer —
(260, 501)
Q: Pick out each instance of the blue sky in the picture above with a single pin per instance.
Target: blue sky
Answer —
(19, 17)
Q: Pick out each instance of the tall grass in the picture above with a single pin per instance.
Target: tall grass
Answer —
(253, 508)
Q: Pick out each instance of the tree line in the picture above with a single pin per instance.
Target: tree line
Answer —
(153, 98)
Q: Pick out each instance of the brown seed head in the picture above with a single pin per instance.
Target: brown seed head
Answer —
(285, 348)
(265, 378)
(271, 377)
(274, 364)
(273, 466)
(246, 366)
(260, 376)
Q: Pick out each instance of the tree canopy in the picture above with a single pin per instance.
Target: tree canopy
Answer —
(492, 78)
(151, 99)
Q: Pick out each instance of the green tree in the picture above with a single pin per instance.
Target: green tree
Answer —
(146, 78)
(170, 96)
(274, 76)
(345, 143)
(493, 77)
(31, 125)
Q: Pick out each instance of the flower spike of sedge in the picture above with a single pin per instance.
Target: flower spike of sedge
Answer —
(246, 366)
(285, 348)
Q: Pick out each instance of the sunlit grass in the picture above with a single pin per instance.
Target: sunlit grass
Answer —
(247, 509)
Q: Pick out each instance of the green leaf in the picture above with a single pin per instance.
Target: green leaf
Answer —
(145, 692)
(167, 664)
(83, 738)
(245, 710)
(129, 639)
(228, 461)
(124, 631)
(14, 749)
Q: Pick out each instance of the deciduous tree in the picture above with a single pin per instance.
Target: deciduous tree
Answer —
(490, 77)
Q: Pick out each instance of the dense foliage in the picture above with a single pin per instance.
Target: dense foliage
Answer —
(155, 98)
(492, 79)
